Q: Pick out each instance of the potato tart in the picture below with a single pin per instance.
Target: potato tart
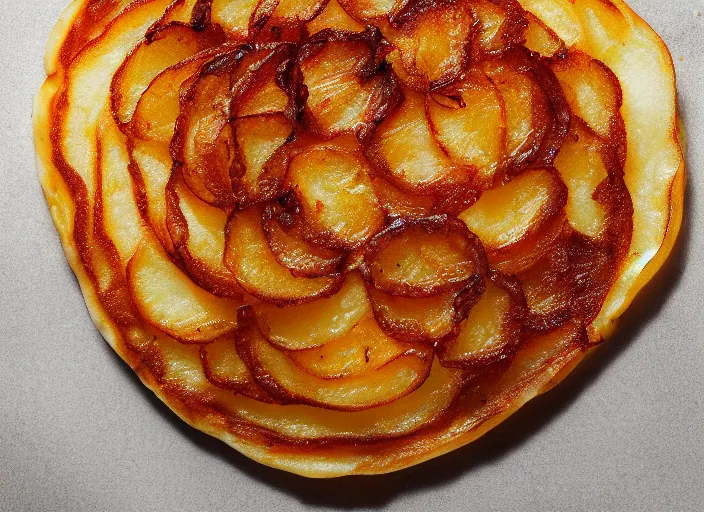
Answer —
(347, 236)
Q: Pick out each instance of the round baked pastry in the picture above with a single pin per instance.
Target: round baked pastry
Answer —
(347, 236)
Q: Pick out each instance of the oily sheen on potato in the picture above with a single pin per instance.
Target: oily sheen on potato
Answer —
(347, 236)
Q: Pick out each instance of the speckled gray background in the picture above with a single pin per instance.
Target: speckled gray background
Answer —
(78, 432)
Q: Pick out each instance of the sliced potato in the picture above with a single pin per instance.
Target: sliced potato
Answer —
(423, 256)
(171, 302)
(282, 379)
(329, 184)
(363, 349)
(248, 256)
(325, 319)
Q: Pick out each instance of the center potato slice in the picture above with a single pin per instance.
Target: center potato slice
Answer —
(336, 197)
(419, 257)
(248, 256)
(285, 381)
(314, 324)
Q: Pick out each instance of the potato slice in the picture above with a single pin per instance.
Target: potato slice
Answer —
(404, 149)
(541, 39)
(422, 257)
(290, 12)
(241, 19)
(302, 258)
(334, 17)
(198, 234)
(501, 25)
(316, 323)
(248, 256)
(204, 141)
(347, 92)
(416, 319)
(468, 121)
(368, 10)
(434, 44)
(363, 349)
(166, 47)
(592, 91)
(282, 379)
(510, 218)
(582, 169)
(492, 330)
(258, 138)
(329, 184)
(171, 302)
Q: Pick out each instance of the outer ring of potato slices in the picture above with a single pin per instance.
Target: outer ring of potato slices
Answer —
(657, 161)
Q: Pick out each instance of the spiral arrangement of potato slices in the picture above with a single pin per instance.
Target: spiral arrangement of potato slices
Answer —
(346, 236)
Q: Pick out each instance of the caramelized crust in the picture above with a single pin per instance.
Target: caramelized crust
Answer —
(346, 236)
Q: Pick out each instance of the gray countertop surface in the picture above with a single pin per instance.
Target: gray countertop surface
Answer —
(78, 432)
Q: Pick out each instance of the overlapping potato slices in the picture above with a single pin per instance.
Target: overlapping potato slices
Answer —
(346, 236)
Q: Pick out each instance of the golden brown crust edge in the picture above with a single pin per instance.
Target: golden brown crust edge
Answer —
(321, 463)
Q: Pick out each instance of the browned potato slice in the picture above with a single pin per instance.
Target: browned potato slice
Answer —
(157, 109)
(363, 349)
(257, 139)
(285, 381)
(501, 25)
(240, 19)
(289, 12)
(258, 87)
(346, 91)
(434, 44)
(404, 149)
(541, 39)
(316, 323)
(290, 248)
(492, 330)
(414, 319)
(367, 10)
(592, 91)
(333, 17)
(423, 256)
(468, 120)
(165, 48)
(171, 302)
(204, 141)
(198, 234)
(582, 168)
(329, 184)
(248, 256)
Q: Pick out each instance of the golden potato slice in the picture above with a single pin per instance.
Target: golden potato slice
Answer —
(592, 91)
(434, 44)
(415, 319)
(198, 234)
(367, 10)
(541, 38)
(325, 319)
(281, 378)
(171, 302)
(468, 120)
(329, 184)
(347, 93)
(166, 47)
(248, 256)
(511, 217)
(363, 349)
(333, 16)
(404, 149)
(492, 330)
(287, 243)
(240, 19)
(501, 25)
(257, 139)
(423, 256)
